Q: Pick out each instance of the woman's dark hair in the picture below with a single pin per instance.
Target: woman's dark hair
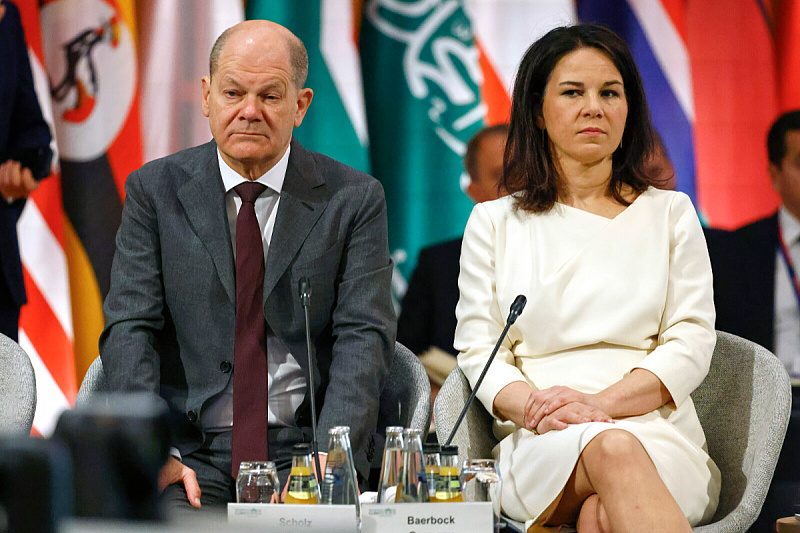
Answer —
(528, 166)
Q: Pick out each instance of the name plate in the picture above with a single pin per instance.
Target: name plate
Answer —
(375, 518)
(293, 518)
(427, 518)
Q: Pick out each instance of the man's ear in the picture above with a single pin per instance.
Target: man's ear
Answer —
(205, 82)
(774, 176)
(471, 191)
(304, 97)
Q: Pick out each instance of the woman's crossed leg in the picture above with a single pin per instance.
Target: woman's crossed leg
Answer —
(615, 488)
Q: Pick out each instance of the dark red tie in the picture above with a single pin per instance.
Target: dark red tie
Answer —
(250, 344)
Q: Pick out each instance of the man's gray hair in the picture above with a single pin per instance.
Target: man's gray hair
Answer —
(298, 56)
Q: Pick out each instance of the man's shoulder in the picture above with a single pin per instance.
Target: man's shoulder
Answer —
(334, 172)
(12, 16)
(759, 230)
(183, 162)
(755, 241)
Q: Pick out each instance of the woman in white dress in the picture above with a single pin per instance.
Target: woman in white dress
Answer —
(590, 390)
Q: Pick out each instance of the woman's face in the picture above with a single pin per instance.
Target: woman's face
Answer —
(584, 107)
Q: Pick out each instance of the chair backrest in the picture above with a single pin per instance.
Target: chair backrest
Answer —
(474, 437)
(17, 389)
(93, 382)
(743, 405)
(406, 397)
(405, 401)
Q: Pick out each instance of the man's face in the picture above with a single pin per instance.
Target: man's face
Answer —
(488, 169)
(251, 102)
(786, 176)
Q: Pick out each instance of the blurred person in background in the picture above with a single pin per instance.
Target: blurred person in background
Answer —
(428, 315)
(25, 158)
(757, 296)
(427, 321)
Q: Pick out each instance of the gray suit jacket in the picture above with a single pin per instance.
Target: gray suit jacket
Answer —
(170, 312)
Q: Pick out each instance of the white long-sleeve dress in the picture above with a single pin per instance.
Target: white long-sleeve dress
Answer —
(605, 296)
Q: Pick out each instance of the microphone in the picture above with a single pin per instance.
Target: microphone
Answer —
(304, 287)
(516, 309)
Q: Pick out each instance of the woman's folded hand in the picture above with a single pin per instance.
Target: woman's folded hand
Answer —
(547, 401)
(571, 413)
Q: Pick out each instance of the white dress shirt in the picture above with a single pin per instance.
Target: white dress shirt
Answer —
(286, 380)
(786, 316)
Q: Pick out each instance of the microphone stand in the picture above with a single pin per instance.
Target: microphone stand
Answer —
(514, 312)
(305, 300)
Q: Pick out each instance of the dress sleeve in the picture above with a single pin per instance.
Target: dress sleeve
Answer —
(480, 319)
(686, 335)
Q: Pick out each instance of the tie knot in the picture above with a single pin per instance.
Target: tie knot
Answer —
(249, 191)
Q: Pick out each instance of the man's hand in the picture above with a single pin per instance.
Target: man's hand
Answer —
(173, 472)
(571, 413)
(15, 181)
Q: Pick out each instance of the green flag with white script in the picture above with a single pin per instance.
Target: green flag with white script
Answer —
(335, 124)
(421, 88)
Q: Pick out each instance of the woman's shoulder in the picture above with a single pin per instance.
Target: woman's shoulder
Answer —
(495, 217)
(666, 199)
(495, 210)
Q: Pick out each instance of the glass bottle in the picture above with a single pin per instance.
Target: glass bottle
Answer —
(449, 486)
(303, 488)
(413, 487)
(430, 453)
(392, 466)
(339, 485)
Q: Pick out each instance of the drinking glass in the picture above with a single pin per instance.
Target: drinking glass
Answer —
(480, 482)
(257, 482)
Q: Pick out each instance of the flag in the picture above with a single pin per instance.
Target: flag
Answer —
(435, 73)
(176, 40)
(422, 82)
(46, 332)
(90, 58)
(693, 57)
(730, 42)
(504, 30)
(787, 48)
(335, 124)
(657, 39)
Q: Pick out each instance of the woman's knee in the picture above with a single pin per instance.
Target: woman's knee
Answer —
(593, 517)
(615, 445)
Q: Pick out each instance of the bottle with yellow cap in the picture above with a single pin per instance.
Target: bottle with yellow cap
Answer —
(303, 488)
(448, 488)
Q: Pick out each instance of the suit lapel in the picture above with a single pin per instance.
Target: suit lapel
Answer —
(303, 199)
(771, 237)
(203, 199)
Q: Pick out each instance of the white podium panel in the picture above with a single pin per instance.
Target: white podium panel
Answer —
(427, 518)
(293, 518)
(375, 518)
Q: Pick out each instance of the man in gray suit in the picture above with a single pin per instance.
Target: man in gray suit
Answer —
(173, 307)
